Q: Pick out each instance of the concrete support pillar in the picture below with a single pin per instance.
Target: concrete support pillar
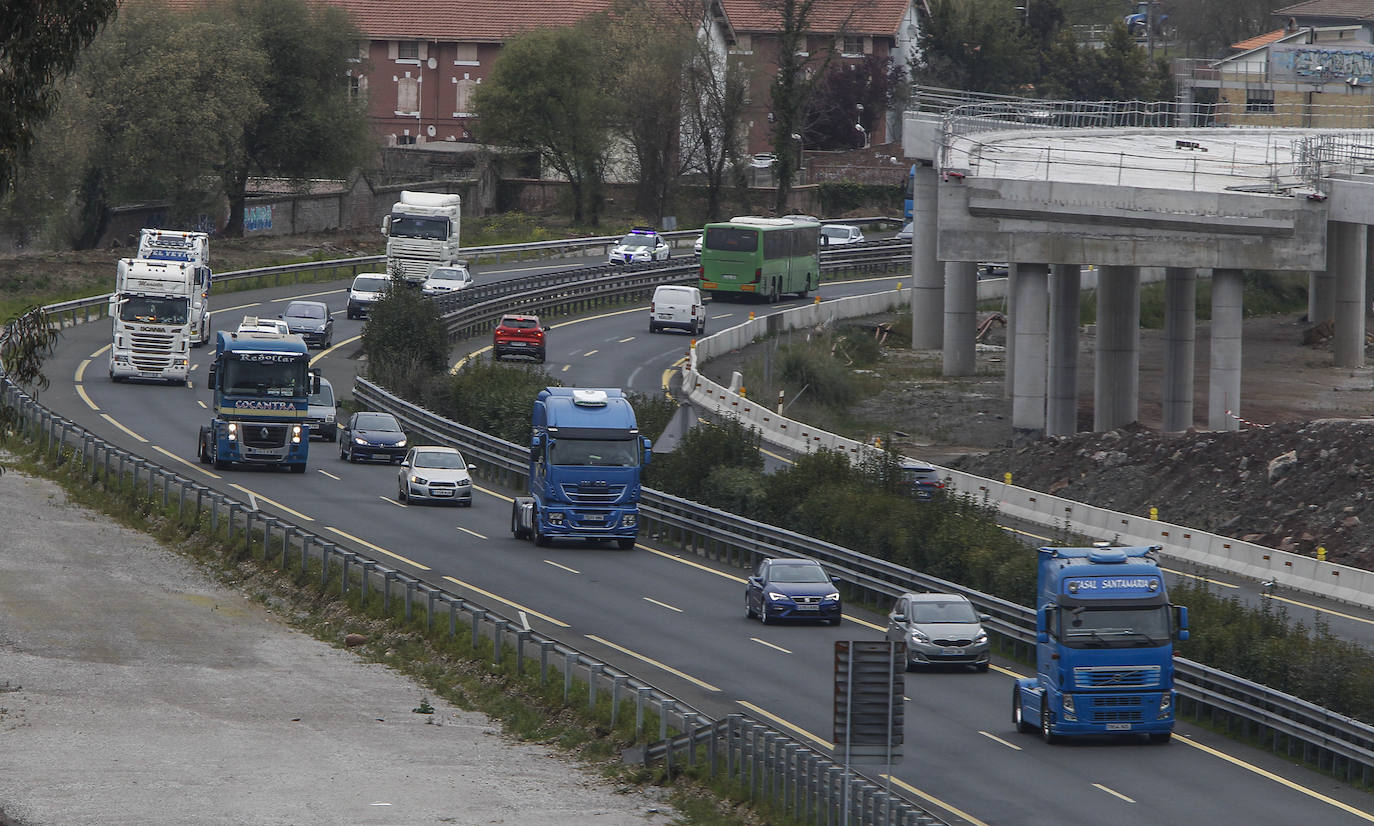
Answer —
(1116, 374)
(961, 317)
(1180, 343)
(1349, 299)
(1321, 294)
(1009, 360)
(927, 273)
(1030, 346)
(1223, 385)
(1368, 270)
(1061, 414)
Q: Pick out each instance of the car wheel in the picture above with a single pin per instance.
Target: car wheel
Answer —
(701, 328)
(774, 296)
(541, 358)
(981, 668)
(1017, 716)
(1046, 724)
(748, 608)
(835, 620)
(653, 328)
(805, 291)
(763, 612)
(401, 493)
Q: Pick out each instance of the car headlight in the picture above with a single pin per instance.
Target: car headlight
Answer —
(401, 443)
(917, 636)
(418, 480)
(833, 596)
(981, 638)
(776, 597)
(359, 440)
(328, 418)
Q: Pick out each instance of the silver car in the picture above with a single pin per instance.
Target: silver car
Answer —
(431, 473)
(939, 628)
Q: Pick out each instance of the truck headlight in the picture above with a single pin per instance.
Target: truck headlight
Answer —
(296, 434)
(328, 418)
(629, 520)
(1166, 705)
(233, 431)
(1069, 712)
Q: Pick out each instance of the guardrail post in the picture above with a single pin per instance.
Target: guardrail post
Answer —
(325, 550)
(545, 648)
(477, 616)
(454, 606)
(689, 725)
(345, 559)
(593, 671)
(498, 630)
(663, 705)
(522, 638)
(430, 594)
(642, 695)
(569, 660)
(617, 681)
(410, 590)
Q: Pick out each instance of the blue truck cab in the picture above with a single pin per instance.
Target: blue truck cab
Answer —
(261, 383)
(586, 456)
(1104, 646)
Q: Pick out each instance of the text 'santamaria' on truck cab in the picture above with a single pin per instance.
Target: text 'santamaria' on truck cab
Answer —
(421, 234)
(1104, 656)
(261, 383)
(586, 455)
(160, 306)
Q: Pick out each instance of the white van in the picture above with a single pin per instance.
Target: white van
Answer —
(678, 308)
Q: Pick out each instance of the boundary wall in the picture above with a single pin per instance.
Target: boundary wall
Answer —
(1289, 570)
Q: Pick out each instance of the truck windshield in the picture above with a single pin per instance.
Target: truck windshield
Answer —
(1114, 627)
(604, 453)
(153, 310)
(287, 377)
(412, 226)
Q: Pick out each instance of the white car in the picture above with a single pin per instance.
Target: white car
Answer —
(763, 160)
(444, 280)
(366, 290)
(840, 235)
(641, 244)
(431, 473)
(678, 308)
(254, 324)
(696, 247)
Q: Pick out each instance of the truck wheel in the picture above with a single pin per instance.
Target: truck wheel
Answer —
(539, 538)
(220, 464)
(1159, 738)
(625, 544)
(515, 529)
(1047, 724)
(201, 452)
(297, 468)
(1017, 713)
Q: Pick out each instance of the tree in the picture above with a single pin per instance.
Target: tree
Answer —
(714, 93)
(851, 93)
(1210, 28)
(39, 42)
(404, 339)
(547, 94)
(798, 73)
(309, 125)
(976, 47)
(24, 345)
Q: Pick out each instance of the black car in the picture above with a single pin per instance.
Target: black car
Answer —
(920, 480)
(311, 321)
(372, 436)
(792, 589)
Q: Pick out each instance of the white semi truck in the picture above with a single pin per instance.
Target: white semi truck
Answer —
(422, 233)
(160, 306)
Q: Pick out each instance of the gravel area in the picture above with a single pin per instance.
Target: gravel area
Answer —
(134, 689)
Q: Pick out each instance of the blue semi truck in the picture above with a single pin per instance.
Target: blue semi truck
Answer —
(1104, 657)
(586, 455)
(261, 383)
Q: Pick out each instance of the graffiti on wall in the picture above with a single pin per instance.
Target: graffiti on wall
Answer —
(257, 218)
(1309, 64)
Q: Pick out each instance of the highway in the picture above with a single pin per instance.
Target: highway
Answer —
(679, 622)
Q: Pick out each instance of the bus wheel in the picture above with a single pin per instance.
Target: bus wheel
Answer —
(773, 296)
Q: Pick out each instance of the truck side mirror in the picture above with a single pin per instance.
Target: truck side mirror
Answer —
(648, 449)
(214, 374)
(386, 224)
(1042, 624)
(1181, 622)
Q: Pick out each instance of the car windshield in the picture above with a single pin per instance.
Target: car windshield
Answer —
(315, 311)
(835, 232)
(797, 573)
(449, 275)
(378, 421)
(369, 285)
(637, 241)
(153, 310)
(601, 452)
(954, 610)
(438, 459)
(324, 398)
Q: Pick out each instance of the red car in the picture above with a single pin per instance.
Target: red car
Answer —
(518, 335)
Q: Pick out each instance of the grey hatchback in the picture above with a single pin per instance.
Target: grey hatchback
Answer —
(939, 628)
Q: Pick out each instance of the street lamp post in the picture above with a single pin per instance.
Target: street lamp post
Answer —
(798, 138)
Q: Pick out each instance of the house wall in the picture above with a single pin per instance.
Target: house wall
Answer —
(438, 110)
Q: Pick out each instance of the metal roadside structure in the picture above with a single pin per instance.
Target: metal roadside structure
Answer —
(1335, 743)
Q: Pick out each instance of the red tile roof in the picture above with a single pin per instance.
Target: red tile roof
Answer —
(857, 17)
(1259, 40)
(1352, 10)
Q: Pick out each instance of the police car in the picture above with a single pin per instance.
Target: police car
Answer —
(642, 244)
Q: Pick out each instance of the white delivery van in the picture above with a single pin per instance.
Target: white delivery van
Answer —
(677, 308)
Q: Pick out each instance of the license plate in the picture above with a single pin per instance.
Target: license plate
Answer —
(1118, 727)
(955, 652)
(517, 344)
(149, 374)
(663, 316)
(594, 517)
(441, 493)
(808, 607)
(728, 277)
(252, 452)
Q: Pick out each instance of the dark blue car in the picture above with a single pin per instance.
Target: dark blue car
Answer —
(792, 589)
(372, 436)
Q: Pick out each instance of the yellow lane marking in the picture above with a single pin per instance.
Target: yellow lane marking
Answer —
(798, 729)
(107, 417)
(696, 565)
(667, 378)
(994, 738)
(1007, 671)
(101, 351)
(274, 503)
(596, 317)
(239, 307)
(564, 567)
(379, 549)
(769, 644)
(651, 661)
(169, 454)
(202, 404)
(332, 348)
(81, 370)
(866, 623)
(500, 496)
(933, 800)
(1112, 792)
(775, 456)
(623, 340)
(1199, 576)
(391, 501)
(307, 295)
(663, 604)
(474, 533)
(566, 368)
(590, 353)
(1283, 781)
(1340, 614)
(517, 606)
(81, 391)
(327, 473)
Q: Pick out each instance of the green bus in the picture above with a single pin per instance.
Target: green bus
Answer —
(763, 257)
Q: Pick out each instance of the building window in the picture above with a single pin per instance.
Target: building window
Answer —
(1259, 100)
(744, 44)
(463, 104)
(362, 52)
(852, 45)
(466, 54)
(405, 140)
(408, 50)
(357, 87)
(407, 96)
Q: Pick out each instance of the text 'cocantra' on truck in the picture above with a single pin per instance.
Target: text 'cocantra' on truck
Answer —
(1104, 656)
(160, 306)
(421, 234)
(586, 456)
(261, 382)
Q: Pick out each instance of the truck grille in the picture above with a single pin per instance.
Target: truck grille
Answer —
(1145, 676)
(592, 493)
(263, 436)
(151, 350)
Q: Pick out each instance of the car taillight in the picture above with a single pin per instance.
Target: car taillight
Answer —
(758, 273)
(651, 308)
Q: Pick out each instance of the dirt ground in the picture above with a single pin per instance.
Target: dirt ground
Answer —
(1298, 474)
